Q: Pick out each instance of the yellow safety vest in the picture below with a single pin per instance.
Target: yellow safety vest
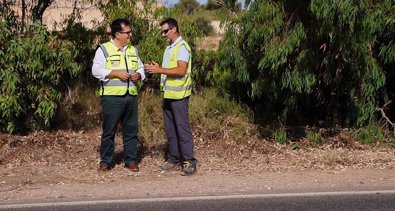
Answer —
(177, 87)
(117, 61)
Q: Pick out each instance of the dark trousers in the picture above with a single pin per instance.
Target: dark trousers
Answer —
(178, 131)
(119, 109)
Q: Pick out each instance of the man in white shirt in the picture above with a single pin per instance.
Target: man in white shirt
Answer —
(119, 69)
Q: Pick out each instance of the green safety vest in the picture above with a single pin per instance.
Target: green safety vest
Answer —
(117, 61)
(177, 87)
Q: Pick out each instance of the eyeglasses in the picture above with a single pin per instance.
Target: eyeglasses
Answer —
(166, 30)
(128, 32)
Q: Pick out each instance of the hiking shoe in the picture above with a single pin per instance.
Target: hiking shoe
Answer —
(188, 169)
(169, 166)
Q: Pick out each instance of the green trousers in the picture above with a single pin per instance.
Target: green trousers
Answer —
(117, 109)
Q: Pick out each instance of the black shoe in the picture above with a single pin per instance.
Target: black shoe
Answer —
(188, 169)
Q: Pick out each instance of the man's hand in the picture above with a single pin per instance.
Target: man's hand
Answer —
(118, 74)
(152, 67)
(135, 77)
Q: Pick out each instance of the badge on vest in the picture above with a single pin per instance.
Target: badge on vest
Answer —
(115, 63)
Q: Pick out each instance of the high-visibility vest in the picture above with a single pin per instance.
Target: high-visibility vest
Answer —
(117, 61)
(177, 87)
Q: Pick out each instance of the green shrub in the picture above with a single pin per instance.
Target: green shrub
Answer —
(280, 136)
(32, 70)
(203, 63)
(371, 134)
(216, 116)
(314, 137)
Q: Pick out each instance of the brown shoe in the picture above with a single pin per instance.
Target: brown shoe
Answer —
(133, 166)
(103, 167)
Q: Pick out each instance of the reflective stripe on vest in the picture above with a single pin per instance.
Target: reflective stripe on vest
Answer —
(177, 87)
(117, 83)
(117, 61)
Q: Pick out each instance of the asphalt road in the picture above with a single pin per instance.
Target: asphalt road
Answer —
(352, 200)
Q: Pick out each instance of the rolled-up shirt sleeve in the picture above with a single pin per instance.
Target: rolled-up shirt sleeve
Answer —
(98, 68)
(140, 68)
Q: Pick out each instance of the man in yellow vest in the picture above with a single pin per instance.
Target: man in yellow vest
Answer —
(119, 69)
(176, 86)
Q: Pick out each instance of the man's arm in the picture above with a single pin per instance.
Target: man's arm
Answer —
(179, 71)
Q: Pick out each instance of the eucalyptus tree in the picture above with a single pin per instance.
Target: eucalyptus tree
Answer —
(301, 61)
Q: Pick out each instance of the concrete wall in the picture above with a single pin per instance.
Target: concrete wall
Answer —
(60, 10)
(53, 16)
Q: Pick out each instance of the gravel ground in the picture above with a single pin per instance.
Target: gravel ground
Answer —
(62, 165)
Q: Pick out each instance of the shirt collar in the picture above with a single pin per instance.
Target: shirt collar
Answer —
(124, 47)
(175, 42)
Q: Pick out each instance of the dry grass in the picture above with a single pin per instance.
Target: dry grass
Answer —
(80, 149)
(225, 140)
(65, 159)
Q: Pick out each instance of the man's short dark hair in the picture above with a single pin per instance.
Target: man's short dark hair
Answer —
(171, 22)
(116, 25)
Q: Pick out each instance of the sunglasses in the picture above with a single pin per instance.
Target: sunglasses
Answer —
(166, 30)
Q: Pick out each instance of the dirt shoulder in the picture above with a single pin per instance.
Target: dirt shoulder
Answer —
(62, 166)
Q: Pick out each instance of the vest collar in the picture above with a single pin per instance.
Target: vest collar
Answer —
(124, 47)
(175, 42)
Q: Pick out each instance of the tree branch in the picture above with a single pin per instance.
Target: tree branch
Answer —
(384, 116)
(39, 9)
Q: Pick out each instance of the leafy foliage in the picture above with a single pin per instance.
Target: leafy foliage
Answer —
(232, 6)
(136, 12)
(32, 70)
(303, 61)
(371, 134)
(212, 5)
(204, 63)
(290, 61)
